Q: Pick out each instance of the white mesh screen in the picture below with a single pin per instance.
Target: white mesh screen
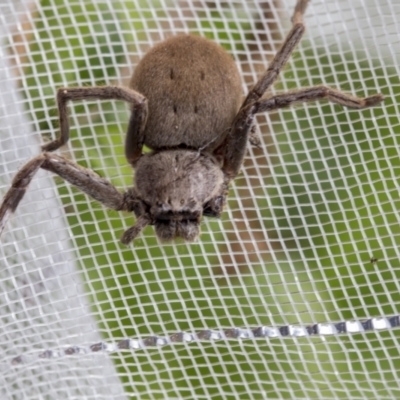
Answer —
(293, 250)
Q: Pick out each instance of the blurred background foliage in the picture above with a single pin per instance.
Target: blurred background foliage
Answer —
(328, 201)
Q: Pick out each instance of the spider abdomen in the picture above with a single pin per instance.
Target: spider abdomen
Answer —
(193, 89)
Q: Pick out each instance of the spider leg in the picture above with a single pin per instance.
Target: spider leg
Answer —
(236, 143)
(312, 94)
(278, 62)
(84, 179)
(134, 137)
(131, 233)
(283, 55)
(237, 138)
(99, 189)
(18, 189)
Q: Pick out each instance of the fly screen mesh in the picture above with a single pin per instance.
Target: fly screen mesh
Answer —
(293, 293)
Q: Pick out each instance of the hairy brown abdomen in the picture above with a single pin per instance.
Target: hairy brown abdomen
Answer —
(194, 92)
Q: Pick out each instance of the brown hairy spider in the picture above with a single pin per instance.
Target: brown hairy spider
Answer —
(185, 97)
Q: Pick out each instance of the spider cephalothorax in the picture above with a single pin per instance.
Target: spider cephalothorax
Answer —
(186, 102)
(172, 189)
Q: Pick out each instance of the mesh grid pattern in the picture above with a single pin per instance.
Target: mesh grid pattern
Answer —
(311, 210)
